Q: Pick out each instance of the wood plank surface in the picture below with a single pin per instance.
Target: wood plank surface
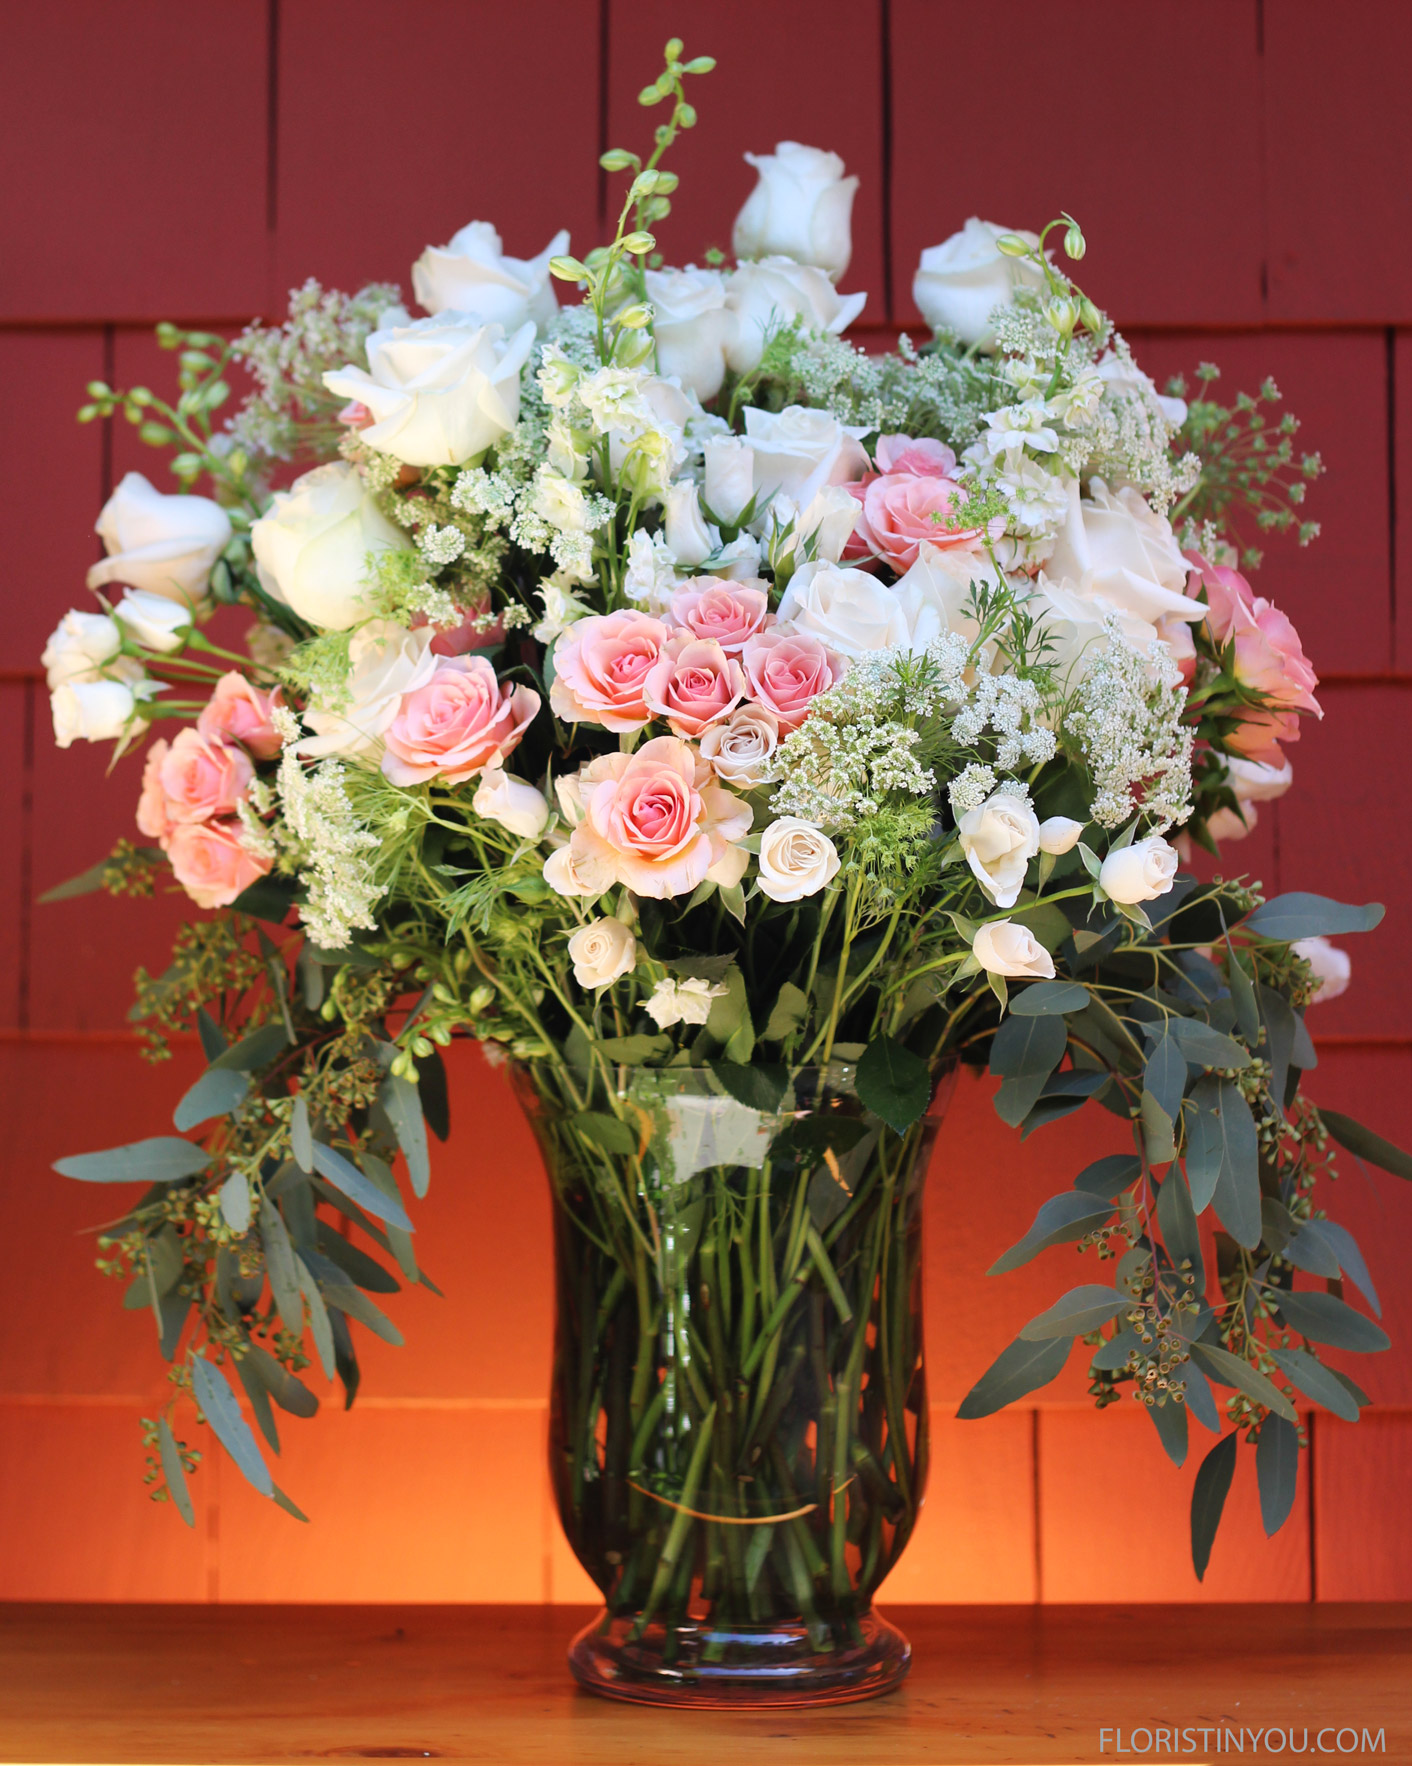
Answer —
(237, 1684)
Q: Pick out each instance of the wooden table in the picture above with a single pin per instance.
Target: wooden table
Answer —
(215, 1684)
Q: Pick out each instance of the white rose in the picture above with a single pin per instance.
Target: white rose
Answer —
(1253, 781)
(514, 803)
(1140, 872)
(166, 545)
(829, 522)
(729, 476)
(1115, 550)
(801, 209)
(1004, 948)
(692, 326)
(441, 390)
(79, 646)
(1059, 834)
(961, 282)
(1122, 377)
(851, 611)
(798, 451)
(796, 859)
(313, 545)
(1332, 968)
(742, 749)
(690, 538)
(385, 661)
(153, 621)
(91, 711)
(765, 297)
(601, 952)
(999, 838)
(943, 580)
(682, 1002)
(472, 275)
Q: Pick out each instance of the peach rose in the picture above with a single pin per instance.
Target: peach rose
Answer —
(201, 777)
(152, 818)
(786, 671)
(693, 684)
(659, 820)
(211, 864)
(1259, 733)
(1269, 658)
(729, 613)
(922, 457)
(240, 712)
(601, 665)
(901, 511)
(456, 725)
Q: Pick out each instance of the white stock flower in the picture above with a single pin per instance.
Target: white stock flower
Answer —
(650, 579)
(1139, 872)
(682, 1002)
(561, 609)
(692, 327)
(1333, 969)
(729, 462)
(91, 711)
(472, 275)
(440, 390)
(312, 545)
(1004, 948)
(601, 952)
(79, 646)
(166, 545)
(798, 451)
(767, 296)
(796, 859)
(801, 208)
(690, 537)
(153, 621)
(999, 838)
(960, 283)
(742, 749)
(514, 803)
(1059, 834)
(385, 661)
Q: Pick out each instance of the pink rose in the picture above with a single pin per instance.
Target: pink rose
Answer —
(730, 613)
(693, 684)
(923, 457)
(200, 777)
(601, 666)
(1259, 733)
(152, 818)
(471, 634)
(461, 722)
(658, 820)
(786, 671)
(240, 712)
(1269, 658)
(902, 511)
(211, 864)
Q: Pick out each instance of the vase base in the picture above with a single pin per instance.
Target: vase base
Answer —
(749, 1667)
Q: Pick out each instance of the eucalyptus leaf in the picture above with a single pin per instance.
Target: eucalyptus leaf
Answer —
(319, 1327)
(1042, 998)
(1060, 1221)
(1081, 1310)
(213, 1042)
(1324, 1318)
(174, 1472)
(1318, 1382)
(1204, 1046)
(282, 1268)
(366, 1272)
(1164, 1079)
(402, 1101)
(1112, 1356)
(1169, 1420)
(893, 1083)
(284, 1502)
(1231, 1370)
(340, 1293)
(1299, 915)
(1343, 1247)
(1208, 1499)
(258, 1394)
(235, 1202)
(345, 1176)
(1110, 1175)
(1243, 993)
(1200, 1401)
(1223, 1158)
(216, 1399)
(1023, 1367)
(1180, 1232)
(286, 1388)
(1277, 1471)
(1362, 1142)
(163, 1159)
(256, 1050)
(301, 1136)
(216, 1093)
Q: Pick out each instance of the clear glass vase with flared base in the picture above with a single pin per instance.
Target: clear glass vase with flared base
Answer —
(738, 1418)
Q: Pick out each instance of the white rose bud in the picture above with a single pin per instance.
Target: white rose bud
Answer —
(1059, 834)
(312, 546)
(802, 209)
(796, 859)
(961, 282)
(153, 621)
(79, 646)
(581, 875)
(829, 520)
(1140, 872)
(472, 275)
(690, 539)
(514, 803)
(730, 476)
(601, 952)
(999, 838)
(91, 711)
(440, 390)
(1332, 968)
(1004, 948)
(166, 545)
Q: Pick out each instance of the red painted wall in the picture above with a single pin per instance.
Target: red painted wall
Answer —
(1241, 176)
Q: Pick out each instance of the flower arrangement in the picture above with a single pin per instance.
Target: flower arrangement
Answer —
(659, 689)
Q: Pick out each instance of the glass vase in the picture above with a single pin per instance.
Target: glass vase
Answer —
(738, 1419)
